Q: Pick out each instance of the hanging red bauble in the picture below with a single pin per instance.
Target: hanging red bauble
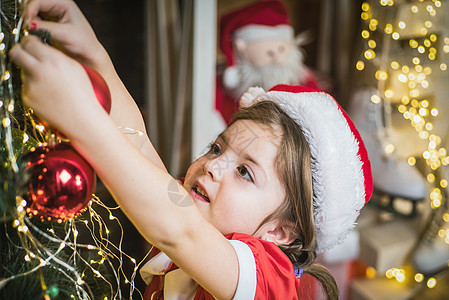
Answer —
(101, 88)
(61, 182)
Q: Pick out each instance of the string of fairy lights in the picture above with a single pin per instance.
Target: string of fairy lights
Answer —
(36, 242)
(33, 241)
(405, 81)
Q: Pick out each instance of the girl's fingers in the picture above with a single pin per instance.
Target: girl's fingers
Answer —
(22, 58)
(33, 46)
(50, 9)
(58, 31)
(31, 51)
(39, 50)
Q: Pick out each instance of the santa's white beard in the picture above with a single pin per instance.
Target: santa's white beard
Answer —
(292, 71)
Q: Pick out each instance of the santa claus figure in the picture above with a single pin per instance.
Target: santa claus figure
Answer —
(261, 50)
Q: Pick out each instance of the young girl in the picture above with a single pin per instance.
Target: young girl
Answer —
(286, 179)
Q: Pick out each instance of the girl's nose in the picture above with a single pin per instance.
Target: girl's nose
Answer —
(217, 167)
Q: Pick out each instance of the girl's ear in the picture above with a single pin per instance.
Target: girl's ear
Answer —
(279, 234)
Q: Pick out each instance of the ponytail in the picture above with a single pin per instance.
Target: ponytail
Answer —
(325, 278)
(305, 258)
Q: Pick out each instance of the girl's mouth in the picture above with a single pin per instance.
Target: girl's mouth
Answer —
(199, 193)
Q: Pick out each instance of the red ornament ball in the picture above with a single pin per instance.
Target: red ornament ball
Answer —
(101, 88)
(61, 182)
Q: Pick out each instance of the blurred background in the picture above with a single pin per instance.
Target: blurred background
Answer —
(384, 61)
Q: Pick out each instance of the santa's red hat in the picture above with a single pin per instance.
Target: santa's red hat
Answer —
(261, 20)
(341, 171)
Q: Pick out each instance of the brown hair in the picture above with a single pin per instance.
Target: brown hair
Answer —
(294, 168)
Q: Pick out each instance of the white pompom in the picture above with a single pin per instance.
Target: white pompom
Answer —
(231, 78)
(251, 96)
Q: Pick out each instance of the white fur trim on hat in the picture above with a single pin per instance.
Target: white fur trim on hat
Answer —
(254, 32)
(338, 179)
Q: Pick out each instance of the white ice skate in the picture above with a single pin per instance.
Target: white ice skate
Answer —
(392, 177)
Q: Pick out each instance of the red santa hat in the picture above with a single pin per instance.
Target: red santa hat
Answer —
(341, 171)
(261, 20)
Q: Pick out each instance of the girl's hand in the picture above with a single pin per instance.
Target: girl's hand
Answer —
(55, 86)
(69, 29)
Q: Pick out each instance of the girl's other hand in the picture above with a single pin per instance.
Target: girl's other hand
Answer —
(55, 86)
(70, 31)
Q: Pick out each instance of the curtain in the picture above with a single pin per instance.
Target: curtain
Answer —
(168, 81)
(337, 38)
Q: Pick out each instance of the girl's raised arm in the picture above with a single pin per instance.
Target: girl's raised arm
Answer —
(72, 34)
(57, 88)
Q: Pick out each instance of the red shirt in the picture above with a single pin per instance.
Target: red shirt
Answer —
(265, 272)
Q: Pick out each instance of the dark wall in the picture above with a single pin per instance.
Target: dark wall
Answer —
(120, 28)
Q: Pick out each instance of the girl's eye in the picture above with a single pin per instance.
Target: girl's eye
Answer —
(214, 149)
(243, 172)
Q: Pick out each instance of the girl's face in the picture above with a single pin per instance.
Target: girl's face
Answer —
(235, 185)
